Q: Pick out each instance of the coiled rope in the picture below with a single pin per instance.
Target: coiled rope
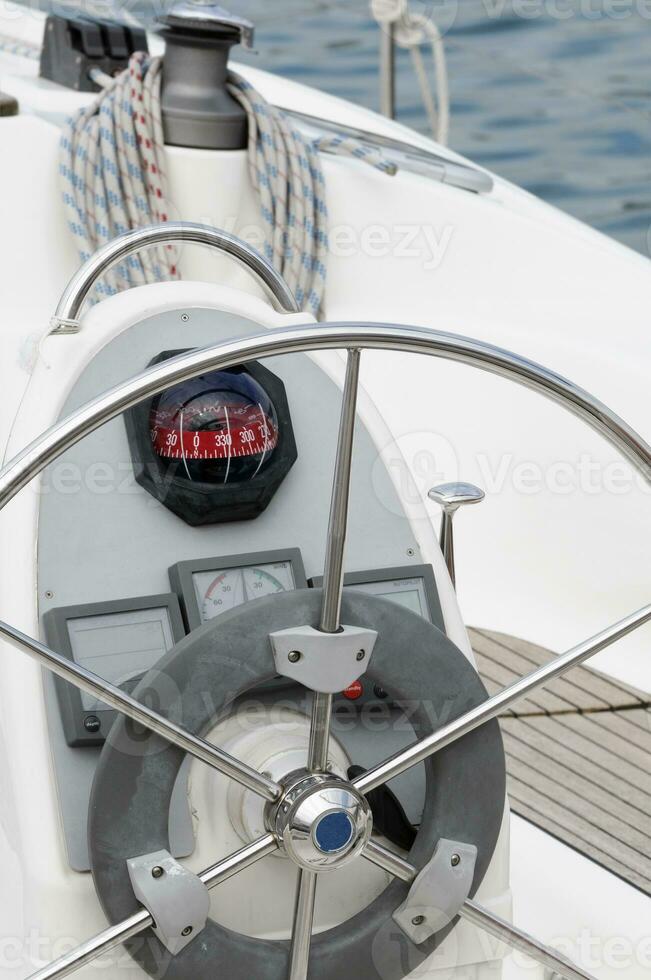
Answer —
(411, 30)
(112, 167)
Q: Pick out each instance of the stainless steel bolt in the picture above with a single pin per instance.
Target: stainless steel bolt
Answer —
(418, 920)
(361, 654)
(294, 656)
(157, 872)
(187, 931)
(455, 860)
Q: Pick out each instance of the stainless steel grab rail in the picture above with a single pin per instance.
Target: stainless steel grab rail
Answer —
(417, 340)
(66, 317)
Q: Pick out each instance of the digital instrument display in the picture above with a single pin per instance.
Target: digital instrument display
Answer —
(217, 447)
(409, 593)
(209, 587)
(119, 641)
(120, 647)
(412, 586)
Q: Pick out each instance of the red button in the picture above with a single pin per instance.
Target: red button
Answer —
(354, 692)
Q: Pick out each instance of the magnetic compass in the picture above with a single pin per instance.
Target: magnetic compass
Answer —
(217, 447)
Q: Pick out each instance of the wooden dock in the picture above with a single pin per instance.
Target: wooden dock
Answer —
(578, 757)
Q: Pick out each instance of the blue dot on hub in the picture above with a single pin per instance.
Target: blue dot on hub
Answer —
(333, 832)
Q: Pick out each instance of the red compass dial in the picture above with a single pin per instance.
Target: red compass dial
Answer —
(218, 428)
(234, 431)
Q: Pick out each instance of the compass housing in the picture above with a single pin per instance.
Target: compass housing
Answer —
(214, 449)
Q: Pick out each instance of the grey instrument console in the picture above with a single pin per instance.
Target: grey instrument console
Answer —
(110, 537)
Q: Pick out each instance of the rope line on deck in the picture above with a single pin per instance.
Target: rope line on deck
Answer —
(412, 30)
(112, 166)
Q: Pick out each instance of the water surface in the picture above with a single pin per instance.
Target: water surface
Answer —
(554, 95)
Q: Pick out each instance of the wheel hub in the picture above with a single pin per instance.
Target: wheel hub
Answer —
(321, 821)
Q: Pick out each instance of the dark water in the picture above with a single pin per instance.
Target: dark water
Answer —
(554, 95)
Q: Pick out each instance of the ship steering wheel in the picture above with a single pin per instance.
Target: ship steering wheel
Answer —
(319, 821)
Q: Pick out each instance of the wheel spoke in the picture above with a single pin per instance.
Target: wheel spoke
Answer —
(389, 861)
(333, 575)
(518, 939)
(320, 732)
(302, 927)
(107, 940)
(92, 684)
(496, 705)
(494, 925)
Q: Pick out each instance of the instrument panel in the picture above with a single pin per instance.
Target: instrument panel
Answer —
(122, 639)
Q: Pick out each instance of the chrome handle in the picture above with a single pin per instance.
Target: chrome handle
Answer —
(452, 496)
(66, 317)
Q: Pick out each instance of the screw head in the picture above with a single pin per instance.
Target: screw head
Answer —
(157, 872)
(294, 656)
(418, 920)
(361, 654)
(455, 860)
(187, 931)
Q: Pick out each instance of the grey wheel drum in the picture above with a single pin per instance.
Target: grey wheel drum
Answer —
(195, 684)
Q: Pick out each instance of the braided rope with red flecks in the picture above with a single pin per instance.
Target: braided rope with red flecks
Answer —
(113, 171)
(112, 166)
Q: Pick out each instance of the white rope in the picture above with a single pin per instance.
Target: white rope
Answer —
(19, 48)
(411, 30)
(112, 168)
(286, 172)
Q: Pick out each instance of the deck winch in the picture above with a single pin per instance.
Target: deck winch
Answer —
(198, 108)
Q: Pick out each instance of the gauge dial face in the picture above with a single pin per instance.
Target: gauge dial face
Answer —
(219, 428)
(220, 590)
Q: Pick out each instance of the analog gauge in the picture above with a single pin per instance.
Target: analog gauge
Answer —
(210, 586)
(217, 447)
(219, 591)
